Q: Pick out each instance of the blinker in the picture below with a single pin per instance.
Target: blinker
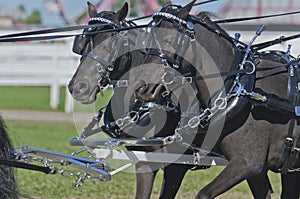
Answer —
(79, 44)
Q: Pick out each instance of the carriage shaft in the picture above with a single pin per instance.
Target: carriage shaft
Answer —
(159, 157)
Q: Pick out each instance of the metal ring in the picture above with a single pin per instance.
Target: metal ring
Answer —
(253, 67)
(135, 117)
(120, 122)
(168, 82)
(165, 93)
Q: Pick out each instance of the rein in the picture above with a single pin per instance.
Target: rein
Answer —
(14, 37)
(254, 18)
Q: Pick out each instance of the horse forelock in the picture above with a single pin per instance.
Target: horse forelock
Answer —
(106, 14)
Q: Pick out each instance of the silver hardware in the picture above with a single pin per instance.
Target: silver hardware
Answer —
(47, 158)
(252, 65)
(122, 83)
(220, 103)
(166, 79)
(255, 96)
(165, 93)
(248, 49)
(165, 63)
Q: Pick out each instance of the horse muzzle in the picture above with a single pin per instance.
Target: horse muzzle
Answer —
(81, 91)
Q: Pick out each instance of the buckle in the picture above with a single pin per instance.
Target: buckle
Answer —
(187, 79)
(122, 83)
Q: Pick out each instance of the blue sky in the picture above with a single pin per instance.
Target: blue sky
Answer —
(72, 7)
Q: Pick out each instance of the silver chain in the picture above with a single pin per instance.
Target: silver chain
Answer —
(80, 176)
(291, 170)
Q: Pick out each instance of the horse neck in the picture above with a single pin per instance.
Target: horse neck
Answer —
(216, 54)
(219, 48)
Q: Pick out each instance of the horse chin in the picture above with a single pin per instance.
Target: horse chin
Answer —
(90, 98)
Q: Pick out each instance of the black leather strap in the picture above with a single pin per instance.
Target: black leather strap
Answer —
(23, 165)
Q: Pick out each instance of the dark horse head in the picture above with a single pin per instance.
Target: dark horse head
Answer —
(182, 47)
(8, 186)
(94, 71)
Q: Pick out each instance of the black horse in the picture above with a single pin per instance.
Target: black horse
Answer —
(8, 186)
(252, 139)
(84, 87)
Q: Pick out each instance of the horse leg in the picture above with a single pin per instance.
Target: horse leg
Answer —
(247, 159)
(145, 174)
(290, 185)
(173, 176)
(260, 186)
(235, 172)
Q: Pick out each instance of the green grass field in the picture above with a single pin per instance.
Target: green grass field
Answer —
(55, 137)
(37, 98)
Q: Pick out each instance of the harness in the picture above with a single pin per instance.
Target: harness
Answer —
(288, 108)
(290, 149)
(238, 87)
(234, 86)
(104, 67)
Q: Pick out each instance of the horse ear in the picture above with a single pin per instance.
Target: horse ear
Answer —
(122, 13)
(168, 3)
(184, 12)
(91, 10)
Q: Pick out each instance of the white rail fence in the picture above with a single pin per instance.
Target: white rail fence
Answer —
(36, 64)
(53, 64)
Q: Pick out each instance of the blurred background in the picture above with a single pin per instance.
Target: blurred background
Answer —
(58, 61)
(28, 13)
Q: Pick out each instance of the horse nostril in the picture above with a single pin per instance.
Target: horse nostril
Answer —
(141, 87)
(81, 87)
